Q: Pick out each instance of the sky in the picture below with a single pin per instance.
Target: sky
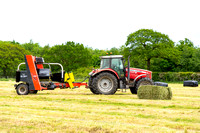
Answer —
(101, 24)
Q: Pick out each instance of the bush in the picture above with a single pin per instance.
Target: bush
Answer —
(81, 73)
(154, 92)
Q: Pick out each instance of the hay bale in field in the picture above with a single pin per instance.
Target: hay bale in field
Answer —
(154, 92)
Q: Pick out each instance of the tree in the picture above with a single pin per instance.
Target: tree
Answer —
(114, 51)
(34, 48)
(71, 55)
(44, 50)
(163, 65)
(96, 57)
(184, 43)
(189, 60)
(196, 60)
(10, 56)
(146, 44)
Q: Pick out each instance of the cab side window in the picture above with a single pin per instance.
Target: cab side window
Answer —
(105, 63)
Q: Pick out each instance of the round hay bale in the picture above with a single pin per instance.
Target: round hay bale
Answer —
(154, 92)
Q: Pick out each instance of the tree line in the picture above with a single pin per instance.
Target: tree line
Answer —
(148, 49)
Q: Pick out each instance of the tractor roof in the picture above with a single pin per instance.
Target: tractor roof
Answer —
(111, 56)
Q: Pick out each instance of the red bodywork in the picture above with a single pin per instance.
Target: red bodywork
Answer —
(139, 73)
(135, 73)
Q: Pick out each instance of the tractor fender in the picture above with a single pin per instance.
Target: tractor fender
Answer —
(138, 77)
(98, 71)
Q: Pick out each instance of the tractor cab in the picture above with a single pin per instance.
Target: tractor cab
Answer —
(113, 62)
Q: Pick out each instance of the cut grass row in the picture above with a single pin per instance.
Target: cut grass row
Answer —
(80, 111)
(145, 103)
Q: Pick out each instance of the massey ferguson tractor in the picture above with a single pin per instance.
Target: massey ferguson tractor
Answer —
(113, 75)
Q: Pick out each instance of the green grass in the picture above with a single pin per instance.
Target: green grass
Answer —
(7, 79)
(78, 110)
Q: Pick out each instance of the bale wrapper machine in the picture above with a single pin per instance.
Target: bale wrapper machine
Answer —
(37, 78)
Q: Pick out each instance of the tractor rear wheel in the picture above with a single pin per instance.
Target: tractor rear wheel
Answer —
(143, 81)
(22, 89)
(94, 91)
(105, 83)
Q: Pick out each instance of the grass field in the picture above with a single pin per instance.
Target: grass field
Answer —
(78, 110)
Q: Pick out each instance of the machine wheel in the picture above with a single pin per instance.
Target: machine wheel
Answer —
(33, 92)
(105, 83)
(143, 81)
(22, 89)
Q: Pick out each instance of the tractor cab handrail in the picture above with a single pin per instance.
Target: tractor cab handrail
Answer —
(46, 64)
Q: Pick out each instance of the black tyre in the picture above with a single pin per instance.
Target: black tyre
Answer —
(22, 89)
(33, 91)
(143, 81)
(133, 90)
(105, 83)
(94, 91)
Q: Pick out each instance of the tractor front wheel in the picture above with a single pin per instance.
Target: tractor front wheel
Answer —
(133, 90)
(22, 89)
(105, 83)
(143, 81)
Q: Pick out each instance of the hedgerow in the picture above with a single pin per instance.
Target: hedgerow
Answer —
(175, 76)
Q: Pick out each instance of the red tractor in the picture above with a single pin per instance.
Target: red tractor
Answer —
(113, 75)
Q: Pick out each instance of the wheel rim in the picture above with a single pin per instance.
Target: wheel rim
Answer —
(105, 84)
(22, 90)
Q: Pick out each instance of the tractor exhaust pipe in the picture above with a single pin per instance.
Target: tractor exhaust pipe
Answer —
(128, 69)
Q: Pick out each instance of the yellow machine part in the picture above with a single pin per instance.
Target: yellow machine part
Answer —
(69, 80)
(71, 76)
